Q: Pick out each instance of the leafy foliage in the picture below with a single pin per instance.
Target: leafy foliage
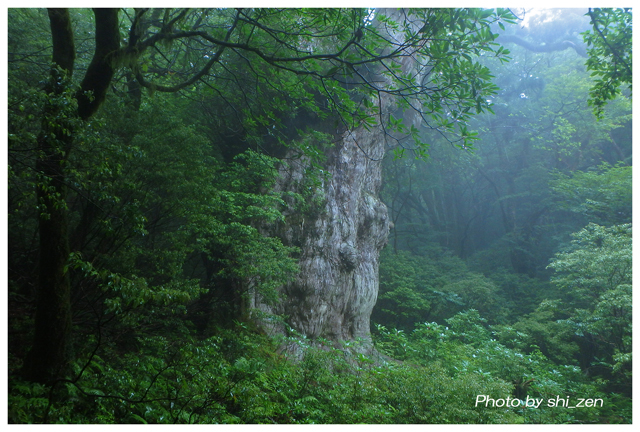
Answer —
(599, 260)
(596, 273)
(236, 378)
(610, 54)
(417, 288)
(602, 195)
(466, 348)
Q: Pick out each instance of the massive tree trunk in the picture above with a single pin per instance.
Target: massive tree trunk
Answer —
(340, 241)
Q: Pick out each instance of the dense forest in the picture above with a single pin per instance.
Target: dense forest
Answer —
(319, 216)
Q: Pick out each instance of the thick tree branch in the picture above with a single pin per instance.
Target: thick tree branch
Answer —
(557, 46)
(100, 72)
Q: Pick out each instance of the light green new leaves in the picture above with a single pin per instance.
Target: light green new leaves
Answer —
(610, 54)
(597, 274)
(599, 261)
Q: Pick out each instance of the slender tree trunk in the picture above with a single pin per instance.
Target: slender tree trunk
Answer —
(51, 349)
(50, 353)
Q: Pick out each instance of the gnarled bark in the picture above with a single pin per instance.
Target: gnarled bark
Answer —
(337, 287)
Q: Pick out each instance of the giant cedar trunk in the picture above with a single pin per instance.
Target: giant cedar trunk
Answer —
(51, 352)
(334, 294)
(337, 286)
